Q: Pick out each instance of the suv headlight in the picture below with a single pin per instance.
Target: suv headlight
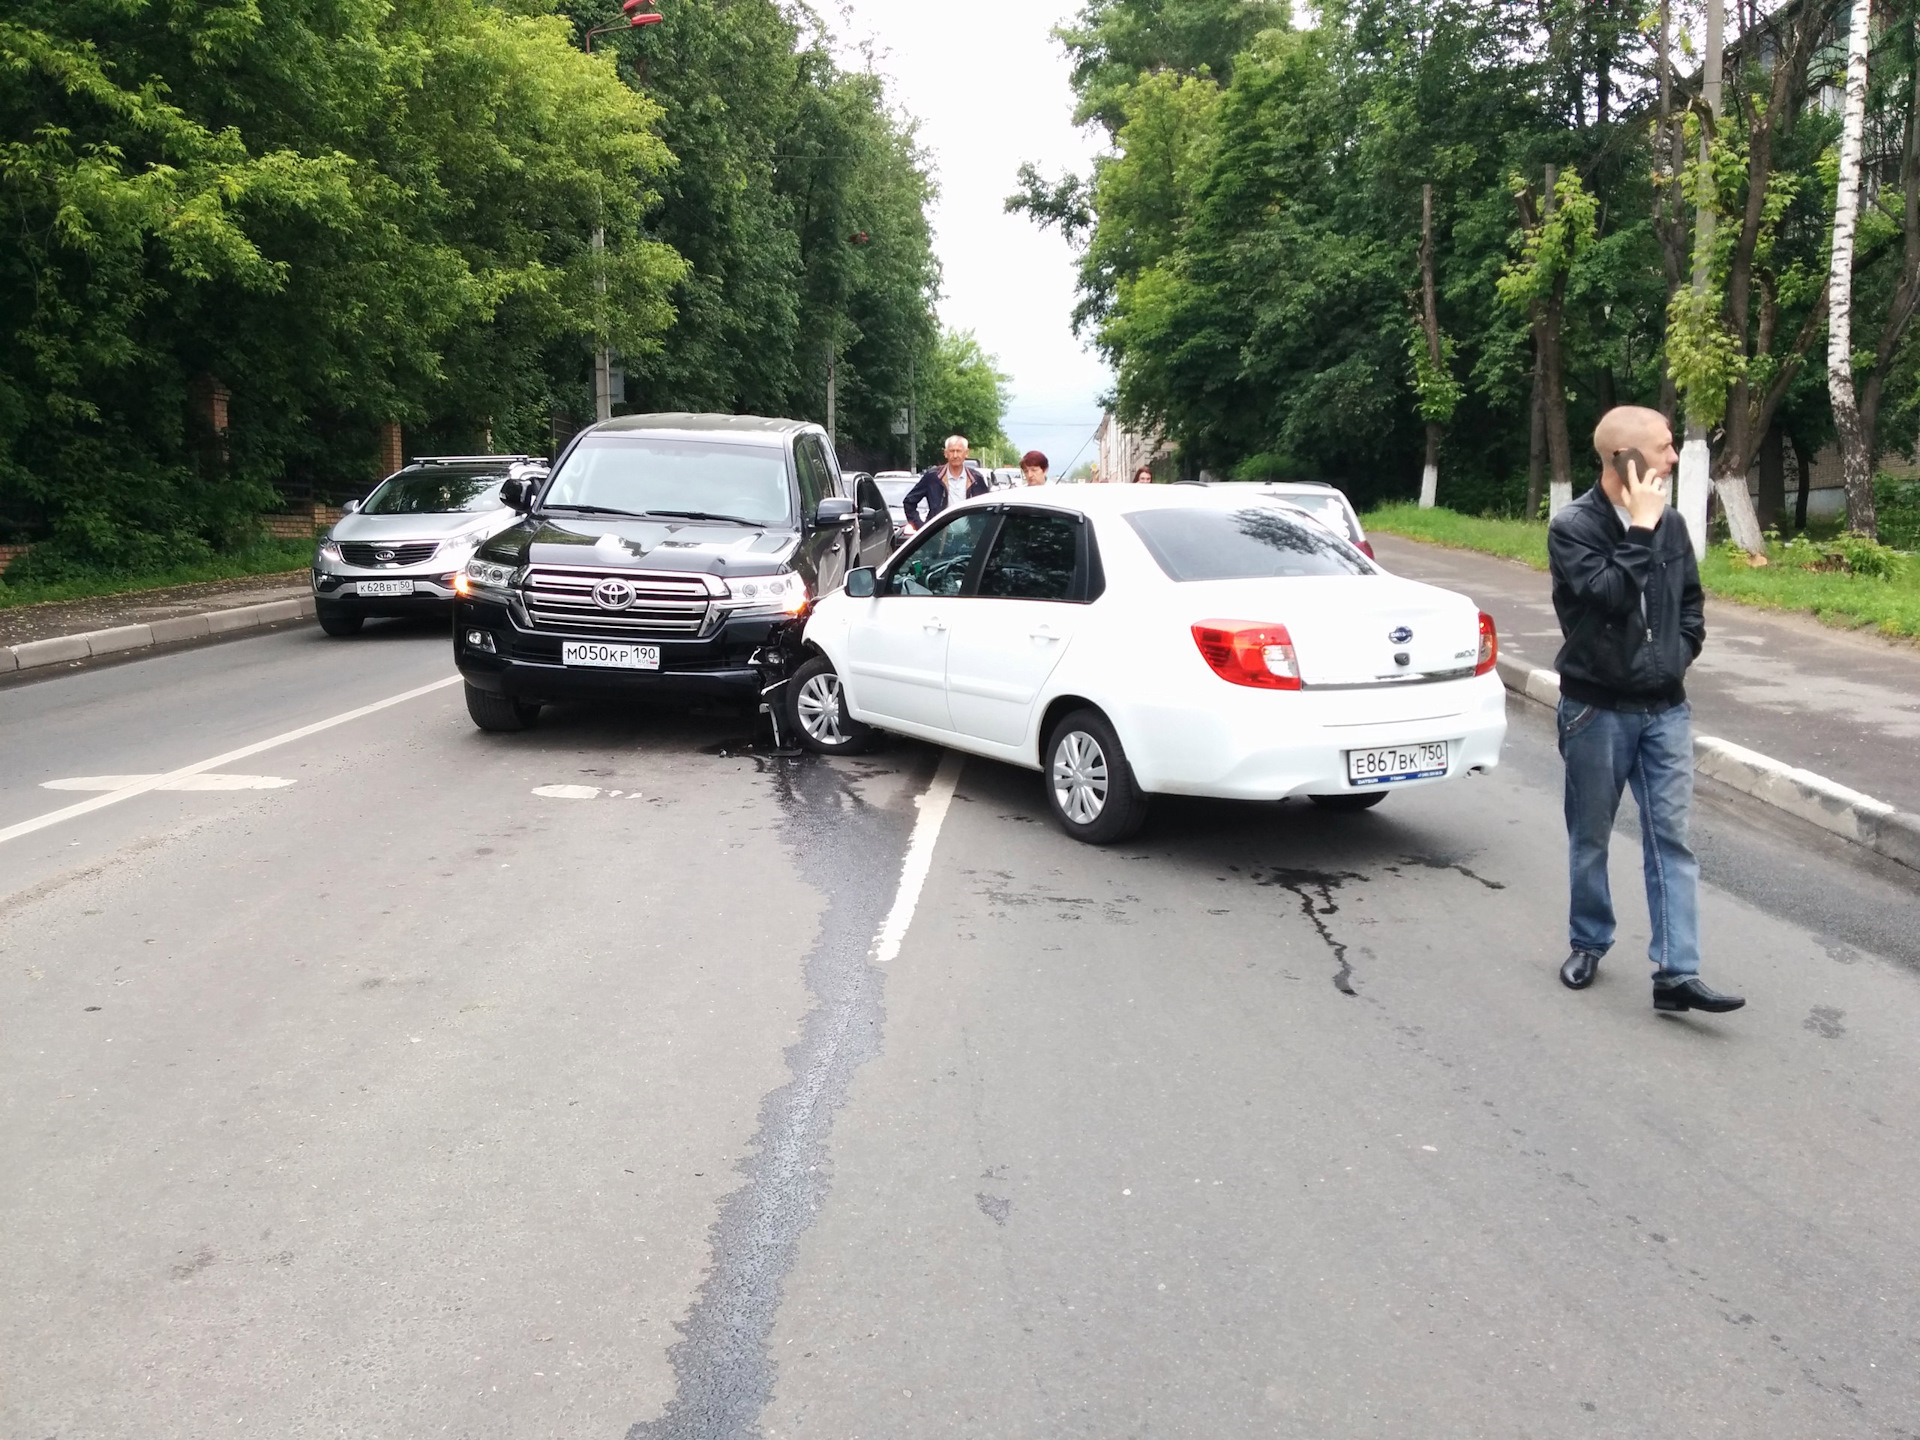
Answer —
(766, 595)
(485, 575)
(330, 553)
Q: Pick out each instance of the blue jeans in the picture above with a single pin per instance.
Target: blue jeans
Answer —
(1606, 751)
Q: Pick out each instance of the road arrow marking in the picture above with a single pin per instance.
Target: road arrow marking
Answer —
(147, 783)
(200, 783)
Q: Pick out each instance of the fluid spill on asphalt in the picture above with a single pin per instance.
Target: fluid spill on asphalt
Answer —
(1315, 891)
(722, 1364)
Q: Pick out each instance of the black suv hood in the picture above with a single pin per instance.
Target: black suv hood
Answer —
(696, 546)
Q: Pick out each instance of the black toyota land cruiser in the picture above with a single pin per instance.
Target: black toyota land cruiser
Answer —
(663, 554)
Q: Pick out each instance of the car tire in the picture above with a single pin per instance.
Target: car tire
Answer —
(1090, 784)
(500, 714)
(338, 623)
(816, 711)
(1349, 804)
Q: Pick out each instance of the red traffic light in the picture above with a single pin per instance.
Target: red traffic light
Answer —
(641, 12)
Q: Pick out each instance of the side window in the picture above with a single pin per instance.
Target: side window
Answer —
(940, 563)
(1035, 558)
(832, 478)
(869, 497)
(811, 467)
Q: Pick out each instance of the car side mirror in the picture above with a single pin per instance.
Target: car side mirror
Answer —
(352, 507)
(862, 583)
(517, 494)
(835, 511)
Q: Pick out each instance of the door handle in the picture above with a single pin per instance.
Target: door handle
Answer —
(1044, 633)
(934, 622)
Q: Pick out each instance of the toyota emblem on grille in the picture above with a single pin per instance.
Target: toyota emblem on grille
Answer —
(613, 595)
(383, 555)
(1400, 636)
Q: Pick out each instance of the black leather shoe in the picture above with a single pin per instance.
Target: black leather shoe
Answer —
(1579, 970)
(1693, 994)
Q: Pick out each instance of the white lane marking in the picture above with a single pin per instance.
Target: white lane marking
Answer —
(919, 862)
(201, 783)
(155, 782)
(567, 792)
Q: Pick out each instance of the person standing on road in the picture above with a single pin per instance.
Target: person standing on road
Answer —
(1033, 468)
(944, 485)
(1627, 591)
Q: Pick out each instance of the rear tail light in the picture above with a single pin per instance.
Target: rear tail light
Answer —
(1245, 652)
(1366, 549)
(1489, 645)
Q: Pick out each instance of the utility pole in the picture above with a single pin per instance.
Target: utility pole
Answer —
(1696, 458)
(833, 398)
(639, 13)
(602, 357)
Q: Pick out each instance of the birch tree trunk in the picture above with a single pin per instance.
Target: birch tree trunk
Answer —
(1856, 463)
(1430, 322)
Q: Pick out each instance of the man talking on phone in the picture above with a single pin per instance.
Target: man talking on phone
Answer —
(1627, 591)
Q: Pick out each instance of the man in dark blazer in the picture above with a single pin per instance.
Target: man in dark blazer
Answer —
(944, 485)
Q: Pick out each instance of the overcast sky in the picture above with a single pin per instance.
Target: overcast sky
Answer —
(989, 87)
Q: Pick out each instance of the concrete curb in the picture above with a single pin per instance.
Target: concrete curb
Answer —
(1813, 798)
(67, 649)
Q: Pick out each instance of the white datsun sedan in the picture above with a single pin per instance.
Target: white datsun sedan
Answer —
(1130, 641)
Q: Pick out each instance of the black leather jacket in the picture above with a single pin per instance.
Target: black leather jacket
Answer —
(1630, 605)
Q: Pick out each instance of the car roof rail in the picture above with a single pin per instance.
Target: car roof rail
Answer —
(478, 460)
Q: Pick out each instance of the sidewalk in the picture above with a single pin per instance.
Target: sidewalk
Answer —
(1844, 705)
(144, 607)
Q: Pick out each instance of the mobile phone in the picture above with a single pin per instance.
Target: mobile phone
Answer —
(1621, 459)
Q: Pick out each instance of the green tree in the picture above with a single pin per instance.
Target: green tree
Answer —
(343, 213)
(963, 392)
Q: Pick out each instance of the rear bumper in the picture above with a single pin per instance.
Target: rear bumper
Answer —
(1264, 745)
(525, 664)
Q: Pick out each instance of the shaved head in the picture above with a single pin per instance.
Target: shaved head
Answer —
(1633, 427)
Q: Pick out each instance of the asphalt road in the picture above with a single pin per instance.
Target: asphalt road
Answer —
(402, 1100)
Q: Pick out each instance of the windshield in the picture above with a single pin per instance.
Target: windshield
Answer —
(1256, 543)
(435, 492)
(648, 475)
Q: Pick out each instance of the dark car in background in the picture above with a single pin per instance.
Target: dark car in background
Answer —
(664, 555)
(395, 554)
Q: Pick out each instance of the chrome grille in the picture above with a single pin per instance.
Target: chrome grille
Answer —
(662, 605)
(369, 556)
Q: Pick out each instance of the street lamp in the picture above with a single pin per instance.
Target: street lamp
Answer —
(639, 13)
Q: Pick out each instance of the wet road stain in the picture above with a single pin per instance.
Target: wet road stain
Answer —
(723, 1362)
(994, 1207)
(1315, 888)
(1825, 1022)
(1440, 862)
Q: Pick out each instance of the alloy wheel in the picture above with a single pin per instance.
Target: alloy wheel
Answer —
(819, 707)
(1080, 777)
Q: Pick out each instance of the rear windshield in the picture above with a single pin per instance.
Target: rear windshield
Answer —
(435, 492)
(651, 476)
(895, 488)
(1330, 510)
(1256, 543)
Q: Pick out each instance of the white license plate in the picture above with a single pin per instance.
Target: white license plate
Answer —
(611, 657)
(376, 589)
(1390, 763)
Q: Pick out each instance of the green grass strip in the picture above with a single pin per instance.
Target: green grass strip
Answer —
(274, 557)
(1891, 606)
